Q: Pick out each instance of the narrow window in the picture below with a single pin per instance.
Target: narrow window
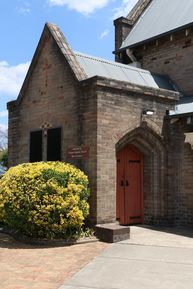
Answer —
(36, 146)
(54, 144)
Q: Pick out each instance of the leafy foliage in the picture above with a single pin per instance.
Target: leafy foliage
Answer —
(4, 158)
(46, 200)
(3, 151)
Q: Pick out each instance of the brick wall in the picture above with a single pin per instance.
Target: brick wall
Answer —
(88, 136)
(171, 57)
(122, 28)
(50, 97)
(179, 173)
(186, 200)
(119, 122)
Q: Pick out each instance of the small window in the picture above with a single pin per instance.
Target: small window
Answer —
(54, 144)
(36, 146)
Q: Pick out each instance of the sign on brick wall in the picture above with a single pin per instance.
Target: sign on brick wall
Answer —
(78, 152)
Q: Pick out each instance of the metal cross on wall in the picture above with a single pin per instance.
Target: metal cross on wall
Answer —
(45, 126)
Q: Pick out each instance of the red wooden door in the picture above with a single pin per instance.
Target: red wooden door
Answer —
(129, 186)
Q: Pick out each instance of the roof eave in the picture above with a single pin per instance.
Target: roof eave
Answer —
(154, 38)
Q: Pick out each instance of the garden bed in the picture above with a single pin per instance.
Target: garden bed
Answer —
(45, 242)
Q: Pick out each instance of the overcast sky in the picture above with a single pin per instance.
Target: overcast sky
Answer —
(87, 25)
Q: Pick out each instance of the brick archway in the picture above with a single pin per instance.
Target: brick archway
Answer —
(153, 149)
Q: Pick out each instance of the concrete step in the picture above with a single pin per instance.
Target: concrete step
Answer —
(112, 232)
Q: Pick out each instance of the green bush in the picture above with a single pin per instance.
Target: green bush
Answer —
(44, 200)
(4, 158)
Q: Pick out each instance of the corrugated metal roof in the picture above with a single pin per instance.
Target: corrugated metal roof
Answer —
(94, 66)
(185, 106)
(161, 17)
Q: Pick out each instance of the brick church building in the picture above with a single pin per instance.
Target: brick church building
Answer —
(127, 124)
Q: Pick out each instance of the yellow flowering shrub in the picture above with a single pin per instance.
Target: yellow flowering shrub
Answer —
(44, 199)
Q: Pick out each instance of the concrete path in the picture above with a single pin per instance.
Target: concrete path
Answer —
(151, 259)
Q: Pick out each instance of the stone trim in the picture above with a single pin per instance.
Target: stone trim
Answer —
(137, 10)
(11, 105)
(169, 96)
(123, 20)
(67, 51)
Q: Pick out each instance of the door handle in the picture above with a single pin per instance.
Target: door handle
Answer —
(126, 183)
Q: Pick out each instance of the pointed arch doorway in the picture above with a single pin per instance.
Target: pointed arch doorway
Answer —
(129, 209)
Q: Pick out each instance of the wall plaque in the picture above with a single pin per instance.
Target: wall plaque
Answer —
(78, 152)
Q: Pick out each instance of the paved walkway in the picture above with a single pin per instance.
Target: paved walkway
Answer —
(28, 267)
(151, 259)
